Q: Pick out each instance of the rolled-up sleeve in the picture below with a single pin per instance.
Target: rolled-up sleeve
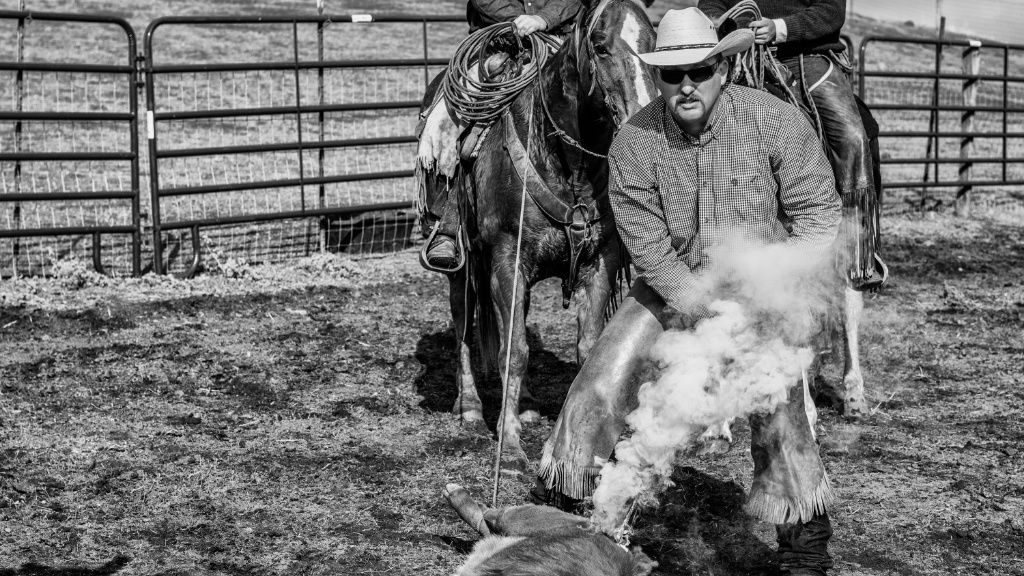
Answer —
(640, 219)
(807, 187)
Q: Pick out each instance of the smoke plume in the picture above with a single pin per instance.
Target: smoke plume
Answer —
(769, 301)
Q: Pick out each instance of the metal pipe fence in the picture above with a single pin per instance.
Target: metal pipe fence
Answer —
(271, 137)
(295, 151)
(951, 116)
(69, 165)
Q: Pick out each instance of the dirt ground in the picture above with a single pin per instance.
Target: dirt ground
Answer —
(294, 420)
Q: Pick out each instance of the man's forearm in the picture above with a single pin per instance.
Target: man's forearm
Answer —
(498, 10)
(559, 12)
(821, 19)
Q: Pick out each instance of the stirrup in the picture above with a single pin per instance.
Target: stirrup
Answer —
(458, 244)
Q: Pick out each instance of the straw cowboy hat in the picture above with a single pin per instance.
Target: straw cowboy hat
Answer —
(689, 37)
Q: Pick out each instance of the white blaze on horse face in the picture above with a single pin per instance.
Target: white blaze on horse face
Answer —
(630, 34)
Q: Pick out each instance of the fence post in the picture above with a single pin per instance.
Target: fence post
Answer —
(971, 67)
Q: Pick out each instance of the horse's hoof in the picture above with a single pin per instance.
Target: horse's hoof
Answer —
(529, 417)
(714, 447)
(471, 416)
(855, 408)
(515, 462)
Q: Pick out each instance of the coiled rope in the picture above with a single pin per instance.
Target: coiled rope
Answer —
(472, 95)
(755, 66)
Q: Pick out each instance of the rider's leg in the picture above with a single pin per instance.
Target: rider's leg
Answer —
(600, 397)
(849, 144)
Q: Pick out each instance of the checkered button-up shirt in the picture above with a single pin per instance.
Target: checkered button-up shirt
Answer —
(674, 196)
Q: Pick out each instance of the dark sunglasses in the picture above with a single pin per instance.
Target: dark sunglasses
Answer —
(676, 76)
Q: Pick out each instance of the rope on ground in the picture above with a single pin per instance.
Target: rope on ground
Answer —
(470, 91)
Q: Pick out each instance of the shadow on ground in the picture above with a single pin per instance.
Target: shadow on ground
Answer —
(548, 377)
(33, 569)
(700, 528)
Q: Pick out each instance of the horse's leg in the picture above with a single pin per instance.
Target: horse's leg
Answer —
(529, 415)
(597, 292)
(853, 381)
(463, 300)
(509, 305)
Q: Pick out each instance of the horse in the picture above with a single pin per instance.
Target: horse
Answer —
(536, 195)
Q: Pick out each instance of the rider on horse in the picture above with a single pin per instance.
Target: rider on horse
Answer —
(805, 36)
(528, 16)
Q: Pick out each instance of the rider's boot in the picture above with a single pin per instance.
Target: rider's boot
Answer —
(443, 252)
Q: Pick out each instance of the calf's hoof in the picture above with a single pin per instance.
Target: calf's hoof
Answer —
(468, 509)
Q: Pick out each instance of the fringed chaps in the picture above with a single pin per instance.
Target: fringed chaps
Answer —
(789, 484)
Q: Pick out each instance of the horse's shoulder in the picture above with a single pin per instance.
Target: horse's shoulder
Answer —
(643, 127)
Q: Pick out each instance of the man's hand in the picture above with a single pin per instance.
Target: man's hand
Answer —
(528, 24)
(764, 30)
(674, 319)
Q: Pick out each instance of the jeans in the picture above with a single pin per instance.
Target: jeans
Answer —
(805, 545)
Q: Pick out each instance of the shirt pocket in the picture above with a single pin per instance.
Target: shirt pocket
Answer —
(749, 197)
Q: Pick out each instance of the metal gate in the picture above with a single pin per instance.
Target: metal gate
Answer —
(69, 168)
(276, 136)
(951, 116)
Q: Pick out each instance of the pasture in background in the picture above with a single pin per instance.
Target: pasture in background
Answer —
(277, 140)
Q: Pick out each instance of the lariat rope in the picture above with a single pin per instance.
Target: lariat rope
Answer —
(751, 66)
(476, 97)
(511, 325)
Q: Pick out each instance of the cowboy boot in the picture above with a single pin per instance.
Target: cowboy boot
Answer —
(442, 252)
(541, 495)
(803, 547)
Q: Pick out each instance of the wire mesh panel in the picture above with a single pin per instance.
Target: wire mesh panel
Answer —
(276, 137)
(69, 172)
(951, 116)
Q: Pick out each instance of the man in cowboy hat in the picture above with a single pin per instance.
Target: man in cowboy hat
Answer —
(706, 161)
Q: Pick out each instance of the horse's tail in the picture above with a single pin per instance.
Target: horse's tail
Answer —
(487, 320)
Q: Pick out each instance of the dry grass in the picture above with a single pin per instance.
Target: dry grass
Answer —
(293, 420)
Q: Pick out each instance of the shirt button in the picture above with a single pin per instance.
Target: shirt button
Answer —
(734, 182)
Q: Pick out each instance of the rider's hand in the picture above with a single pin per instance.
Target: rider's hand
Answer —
(764, 30)
(528, 24)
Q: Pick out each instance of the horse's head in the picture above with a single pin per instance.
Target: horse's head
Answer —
(608, 37)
